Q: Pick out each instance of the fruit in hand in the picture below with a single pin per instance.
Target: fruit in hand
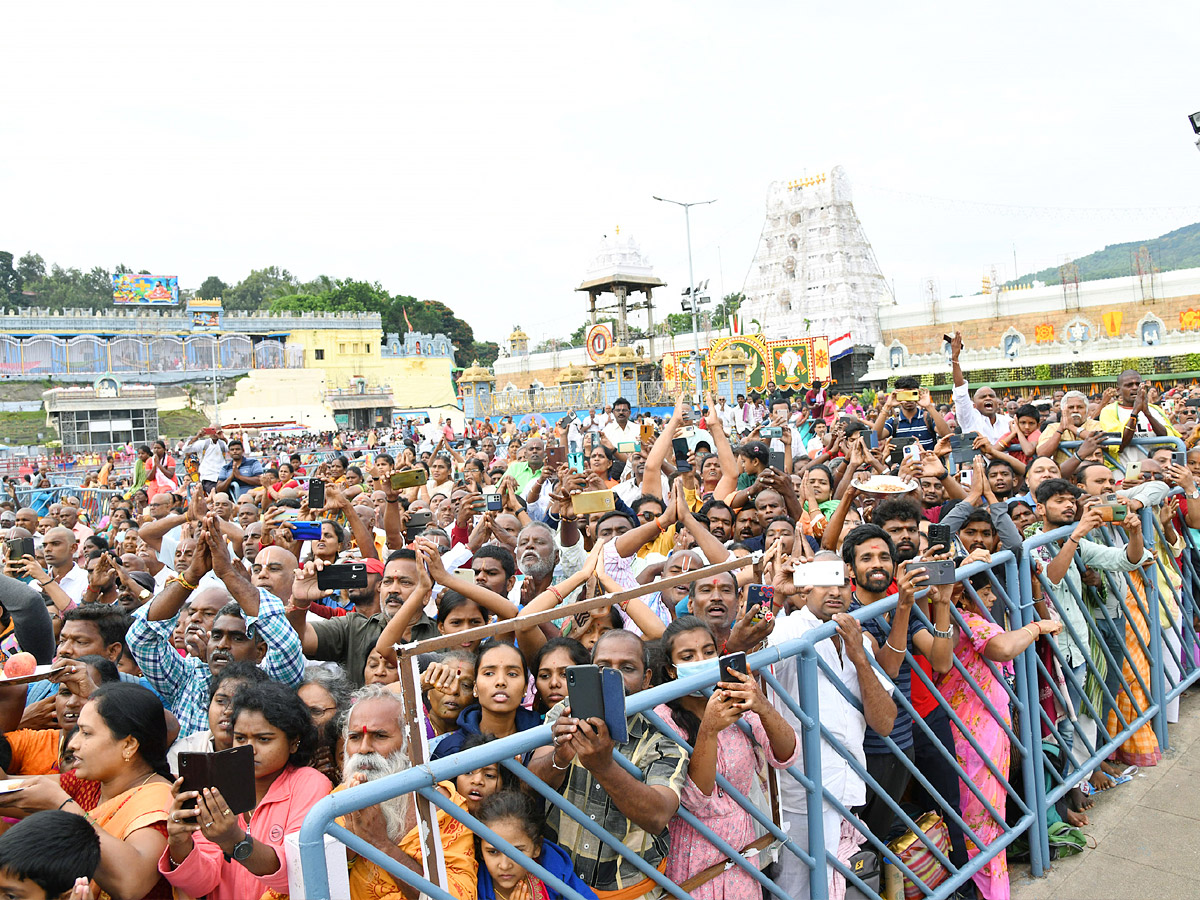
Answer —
(20, 664)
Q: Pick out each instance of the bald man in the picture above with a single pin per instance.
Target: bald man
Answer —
(62, 581)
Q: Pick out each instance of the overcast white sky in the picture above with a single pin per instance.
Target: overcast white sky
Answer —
(475, 153)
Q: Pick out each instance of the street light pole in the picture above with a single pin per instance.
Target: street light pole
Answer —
(687, 221)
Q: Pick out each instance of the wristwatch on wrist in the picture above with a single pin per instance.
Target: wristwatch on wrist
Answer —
(243, 848)
(1195, 495)
(947, 634)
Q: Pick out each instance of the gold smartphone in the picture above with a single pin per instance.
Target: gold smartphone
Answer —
(408, 478)
(647, 434)
(909, 396)
(593, 502)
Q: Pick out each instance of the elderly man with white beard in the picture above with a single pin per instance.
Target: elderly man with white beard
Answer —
(542, 554)
(375, 747)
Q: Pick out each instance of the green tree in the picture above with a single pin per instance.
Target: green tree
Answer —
(212, 288)
(580, 334)
(259, 288)
(484, 351)
(11, 281)
(32, 267)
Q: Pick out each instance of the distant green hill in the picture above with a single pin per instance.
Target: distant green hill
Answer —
(1180, 249)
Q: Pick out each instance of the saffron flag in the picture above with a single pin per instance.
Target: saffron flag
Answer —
(406, 322)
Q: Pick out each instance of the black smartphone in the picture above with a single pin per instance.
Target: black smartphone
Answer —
(612, 690)
(939, 536)
(680, 446)
(940, 571)
(340, 577)
(316, 494)
(585, 692)
(776, 461)
(418, 521)
(229, 771)
(1179, 458)
(1192, 401)
(733, 662)
(19, 548)
(961, 450)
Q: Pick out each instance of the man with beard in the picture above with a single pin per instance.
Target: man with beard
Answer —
(375, 748)
(720, 520)
(348, 640)
(747, 527)
(870, 558)
(983, 415)
(900, 518)
(252, 628)
(1133, 415)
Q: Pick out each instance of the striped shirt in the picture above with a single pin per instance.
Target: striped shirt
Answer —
(183, 681)
(919, 427)
(663, 763)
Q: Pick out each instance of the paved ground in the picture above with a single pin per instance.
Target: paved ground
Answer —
(1146, 832)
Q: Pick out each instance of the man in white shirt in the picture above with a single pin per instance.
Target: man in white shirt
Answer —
(209, 444)
(983, 415)
(728, 416)
(621, 429)
(65, 582)
(849, 655)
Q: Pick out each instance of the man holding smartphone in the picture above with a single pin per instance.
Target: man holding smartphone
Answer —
(910, 412)
(849, 656)
(580, 765)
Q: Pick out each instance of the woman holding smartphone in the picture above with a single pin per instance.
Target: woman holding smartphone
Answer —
(709, 725)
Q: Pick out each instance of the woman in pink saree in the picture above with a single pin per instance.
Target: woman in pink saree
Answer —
(980, 641)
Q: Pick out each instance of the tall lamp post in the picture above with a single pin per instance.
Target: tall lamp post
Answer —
(687, 221)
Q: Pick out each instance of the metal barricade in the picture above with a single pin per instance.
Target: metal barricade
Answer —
(93, 501)
(813, 854)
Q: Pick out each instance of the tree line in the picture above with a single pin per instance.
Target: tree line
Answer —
(28, 281)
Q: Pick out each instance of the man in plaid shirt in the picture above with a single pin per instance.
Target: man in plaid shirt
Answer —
(252, 626)
(580, 766)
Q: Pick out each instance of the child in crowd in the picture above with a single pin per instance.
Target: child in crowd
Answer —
(51, 855)
(513, 817)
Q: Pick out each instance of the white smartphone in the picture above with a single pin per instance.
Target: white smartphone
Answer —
(1133, 471)
(820, 573)
(913, 450)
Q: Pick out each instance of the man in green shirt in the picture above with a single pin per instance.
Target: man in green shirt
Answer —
(529, 469)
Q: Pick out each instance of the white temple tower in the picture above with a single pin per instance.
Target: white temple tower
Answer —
(814, 263)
